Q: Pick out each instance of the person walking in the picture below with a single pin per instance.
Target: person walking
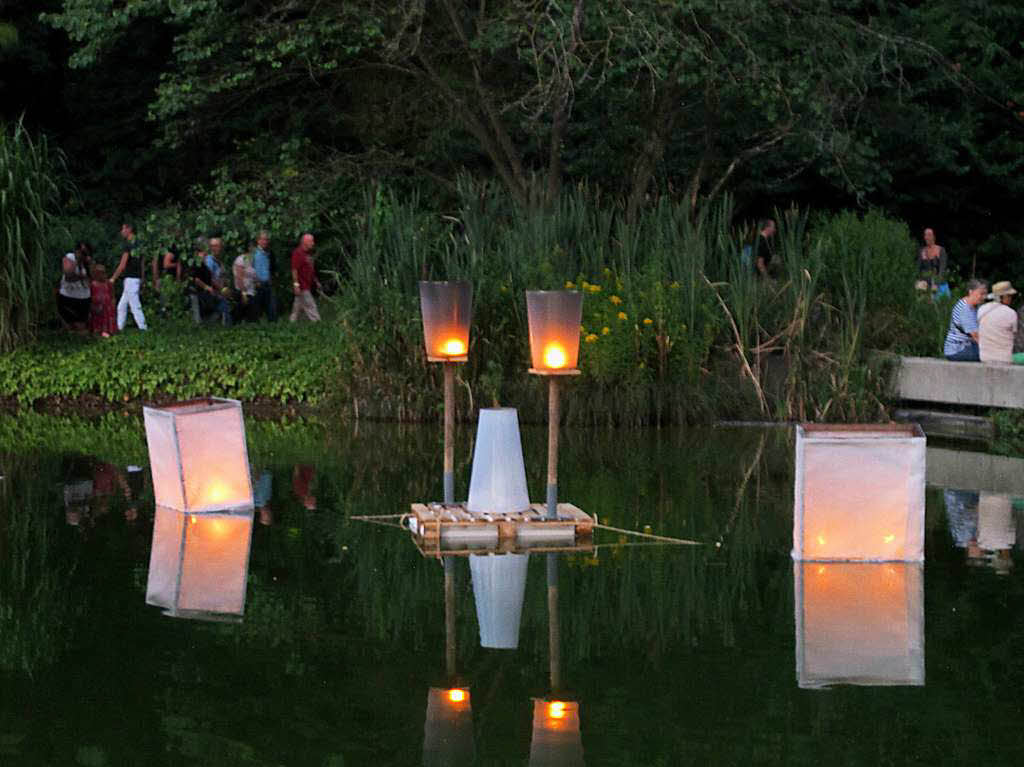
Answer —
(131, 267)
(303, 279)
(962, 337)
(262, 265)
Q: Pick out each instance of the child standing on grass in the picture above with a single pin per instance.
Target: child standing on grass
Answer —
(102, 316)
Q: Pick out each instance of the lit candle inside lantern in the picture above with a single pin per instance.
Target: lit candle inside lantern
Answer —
(453, 347)
(554, 356)
(456, 695)
(556, 709)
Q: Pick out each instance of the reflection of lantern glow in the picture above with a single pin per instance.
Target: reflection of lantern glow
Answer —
(554, 356)
(453, 347)
(198, 455)
(199, 569)
(859, 493)
(448, 730)
(556, 734)
(456, 695)
(859, 623)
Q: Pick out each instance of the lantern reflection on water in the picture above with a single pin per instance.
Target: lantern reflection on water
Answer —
(859, 623)
(199, 563)
(448, 731)
(859, 493)
(446, 309)
(198, 455)
(556, 740)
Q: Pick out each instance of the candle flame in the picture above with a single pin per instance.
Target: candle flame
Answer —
(889, 538)
(453, 347)
(556, 709)
(821, 540)
(456, 696)
(554, 356)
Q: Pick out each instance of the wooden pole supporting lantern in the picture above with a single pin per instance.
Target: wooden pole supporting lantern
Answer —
(554, 317)
(859, 493)
(446, 309)
(198, 455)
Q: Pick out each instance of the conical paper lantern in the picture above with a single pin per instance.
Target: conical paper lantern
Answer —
(498, 482)
(554, 319)
(499, 587)
(859, 623)
(446, 309)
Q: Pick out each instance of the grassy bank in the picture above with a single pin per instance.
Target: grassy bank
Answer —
(676, 326)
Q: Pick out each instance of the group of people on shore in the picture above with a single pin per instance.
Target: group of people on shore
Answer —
(85, 296)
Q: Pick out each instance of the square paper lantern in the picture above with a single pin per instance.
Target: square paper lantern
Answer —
(859, 623)
(859, 493)
(556, 740)
(198, 455)
(448, 730)
(446, 308)
(554, 317)
(199, 563)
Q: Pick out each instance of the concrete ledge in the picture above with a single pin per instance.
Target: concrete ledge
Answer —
(927, 379)
(951, 425)
(964, 470)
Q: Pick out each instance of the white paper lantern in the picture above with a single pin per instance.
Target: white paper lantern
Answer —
(448, 730)
(198, 456)
(498, 482)
(859, 493)
(859, 623)
(556, 740)
(499, 587)
(199, 563)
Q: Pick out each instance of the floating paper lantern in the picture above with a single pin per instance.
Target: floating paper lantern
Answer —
(499, 587)
(198, 455)
(556, 740)
(199, 563)
(859, 623)
(554, 318)
(446, 308)
(497, 484)
(448, 731)
(859, 493)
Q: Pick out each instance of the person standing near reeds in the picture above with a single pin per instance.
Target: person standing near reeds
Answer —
(764, 247)
(962, 337)
(131, 267)
(303, 279)
(931, 266)
(73, 294)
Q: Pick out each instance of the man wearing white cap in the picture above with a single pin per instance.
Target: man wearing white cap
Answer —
(997, 324)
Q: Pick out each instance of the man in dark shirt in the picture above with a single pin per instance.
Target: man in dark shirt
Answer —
(131, 267)
(764, 247)
(209, 299)
(303, 279)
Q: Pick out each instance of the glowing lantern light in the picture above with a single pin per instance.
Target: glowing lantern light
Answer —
(556, 739)
(198, 455)
(446, 309)
(859, 623)
(199, 563)
(859, 493)
(448, 731)
(554, 318)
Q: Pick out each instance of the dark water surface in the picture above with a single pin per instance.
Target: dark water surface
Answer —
(675, 655)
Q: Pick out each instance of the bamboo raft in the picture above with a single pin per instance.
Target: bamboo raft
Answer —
(449, 530)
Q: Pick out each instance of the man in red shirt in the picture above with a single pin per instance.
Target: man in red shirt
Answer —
(303, 279)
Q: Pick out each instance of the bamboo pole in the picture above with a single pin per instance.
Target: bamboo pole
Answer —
(554, 626)
(554, 416)
(449, 432)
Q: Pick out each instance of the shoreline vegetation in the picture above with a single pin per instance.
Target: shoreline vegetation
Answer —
(677, 329)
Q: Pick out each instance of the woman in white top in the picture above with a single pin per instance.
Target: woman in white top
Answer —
(997, 323)
(245, 287)
(73, 294)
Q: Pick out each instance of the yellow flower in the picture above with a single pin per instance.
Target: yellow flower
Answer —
(605, 330)
(615, 300)
(585, 285)
(569, 284)
(607, 272)
(674, 286)
(623, 316)
(648, 321)
(590, 338)
(594, 288)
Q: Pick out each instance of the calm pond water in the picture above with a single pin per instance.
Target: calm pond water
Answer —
(721, 654)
